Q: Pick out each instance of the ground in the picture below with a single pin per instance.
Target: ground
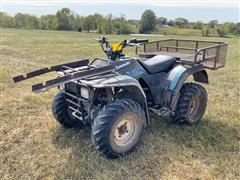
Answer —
(34, 146)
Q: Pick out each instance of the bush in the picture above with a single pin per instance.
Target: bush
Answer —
(181, 22)
(198, 25)
(206, 32)
(222, 32)
(122, 28)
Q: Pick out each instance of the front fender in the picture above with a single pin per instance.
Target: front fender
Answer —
(124, 82)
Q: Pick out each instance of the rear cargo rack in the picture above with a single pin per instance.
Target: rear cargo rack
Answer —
(209, 53)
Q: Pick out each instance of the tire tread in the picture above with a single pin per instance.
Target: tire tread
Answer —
(60, 112)
(101, 124)
(186, 93)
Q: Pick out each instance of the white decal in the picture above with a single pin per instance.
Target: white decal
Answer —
(122, 65)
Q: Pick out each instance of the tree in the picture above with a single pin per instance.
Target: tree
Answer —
(32, 22)
(20, 20)
(198, 25)
(89, 23)
(48, 22)
(148, 22)
(170, 23)
(232, 28)
(108, 24)
(26, 21)
(161, 21)
(64, 19)
(212, 24)
(99, 19)
(78, 23)
(121, 26)
(181, 22)
(6, 21)
(235, 29)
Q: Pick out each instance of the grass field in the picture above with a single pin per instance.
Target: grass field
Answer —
(34, 146)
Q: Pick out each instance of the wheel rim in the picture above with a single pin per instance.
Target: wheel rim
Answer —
(195, 108)
(125, 133)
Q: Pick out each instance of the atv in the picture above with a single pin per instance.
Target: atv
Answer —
(114, 95)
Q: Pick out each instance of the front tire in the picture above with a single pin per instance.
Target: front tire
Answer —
(191, 104)
(118, 127)
(62, 114)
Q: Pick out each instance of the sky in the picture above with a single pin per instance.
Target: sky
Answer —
(204, 10)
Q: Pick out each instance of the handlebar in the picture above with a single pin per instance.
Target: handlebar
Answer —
(103, 40)
(138, 41)
(113, 54)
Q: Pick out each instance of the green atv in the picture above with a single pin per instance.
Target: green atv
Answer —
(114, 95)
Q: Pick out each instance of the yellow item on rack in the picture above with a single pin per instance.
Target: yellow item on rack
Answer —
(117, 47)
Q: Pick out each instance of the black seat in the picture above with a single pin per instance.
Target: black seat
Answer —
(158, 63)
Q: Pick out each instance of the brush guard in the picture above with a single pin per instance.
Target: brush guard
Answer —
(76, 103)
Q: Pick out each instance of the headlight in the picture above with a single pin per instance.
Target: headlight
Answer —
(62, 86)
(85, 93)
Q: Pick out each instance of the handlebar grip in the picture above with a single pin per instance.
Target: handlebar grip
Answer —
(133, 44)
(96, 39)
(101, 39)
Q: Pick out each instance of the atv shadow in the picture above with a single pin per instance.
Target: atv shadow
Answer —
(162, 142)
(207, 135)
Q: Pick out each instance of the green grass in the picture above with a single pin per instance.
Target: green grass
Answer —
(34, 146)
(179, 31)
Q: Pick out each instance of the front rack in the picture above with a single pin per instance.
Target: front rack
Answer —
(211, 54)
(70, 72)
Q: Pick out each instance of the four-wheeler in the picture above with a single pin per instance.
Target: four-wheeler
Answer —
(114, 95)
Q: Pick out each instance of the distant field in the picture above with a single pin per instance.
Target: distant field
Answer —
(179, 31)
(34, 146)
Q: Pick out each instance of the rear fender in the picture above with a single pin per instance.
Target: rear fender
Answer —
(125, 82)
(177, 78)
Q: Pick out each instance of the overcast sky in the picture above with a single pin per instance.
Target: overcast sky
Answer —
(205, 10)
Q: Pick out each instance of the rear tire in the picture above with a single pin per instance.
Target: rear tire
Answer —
(62, 114)
(191, 104)
(118, 127)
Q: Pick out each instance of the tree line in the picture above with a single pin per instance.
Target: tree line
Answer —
(67, 20)
(150, 23)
